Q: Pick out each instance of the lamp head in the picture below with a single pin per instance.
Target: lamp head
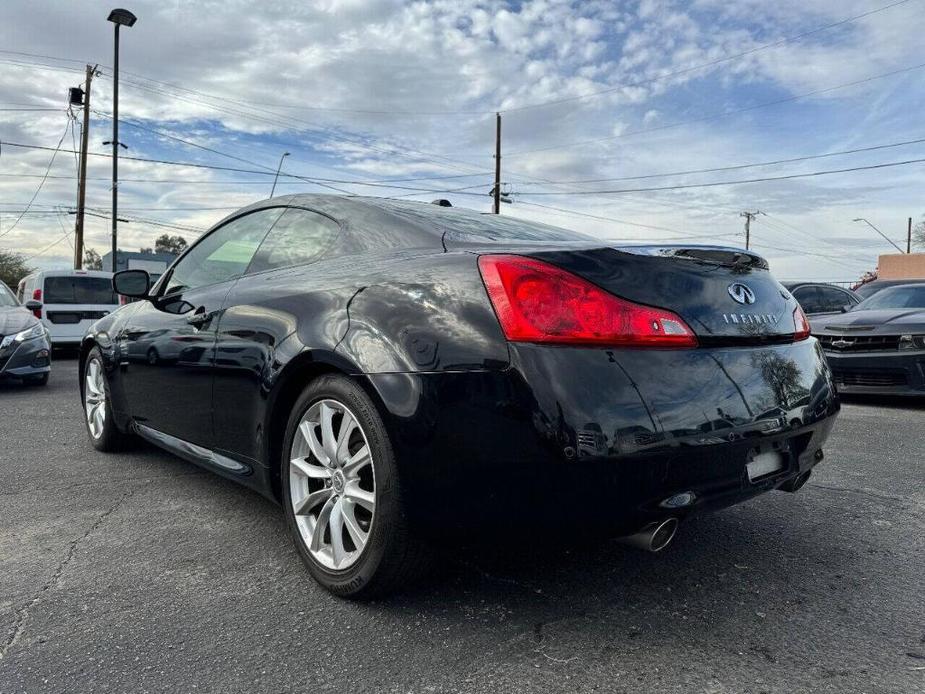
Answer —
(123, 17)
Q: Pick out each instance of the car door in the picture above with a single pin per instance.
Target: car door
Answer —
(262, 310)
(167, 346)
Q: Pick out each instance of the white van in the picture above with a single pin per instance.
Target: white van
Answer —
(71, 301)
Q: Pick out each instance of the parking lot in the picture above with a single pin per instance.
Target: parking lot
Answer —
(139, 572)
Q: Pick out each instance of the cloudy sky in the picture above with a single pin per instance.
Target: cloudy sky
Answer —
(599, 100)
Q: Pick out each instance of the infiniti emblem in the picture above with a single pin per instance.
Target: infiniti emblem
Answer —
(740, 293)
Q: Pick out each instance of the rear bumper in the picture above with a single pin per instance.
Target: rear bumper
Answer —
(602, 439)
(29, 358)
(884, 373)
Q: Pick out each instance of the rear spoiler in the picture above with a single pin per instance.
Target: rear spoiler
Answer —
(716, 255)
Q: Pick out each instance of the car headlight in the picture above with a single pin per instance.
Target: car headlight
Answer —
(37, 330)
(912, 341)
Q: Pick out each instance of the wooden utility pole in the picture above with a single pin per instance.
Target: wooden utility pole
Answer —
(909, 236)
(82, 182)
(749, 216)
(497, 190)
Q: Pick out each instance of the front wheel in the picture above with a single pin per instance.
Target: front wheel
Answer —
(101, 426)
(341, 493)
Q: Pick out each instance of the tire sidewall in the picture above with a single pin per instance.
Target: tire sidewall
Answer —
(110, 438)
(353, 580)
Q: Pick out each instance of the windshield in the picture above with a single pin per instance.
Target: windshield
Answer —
(910, 296)
(7, 298)
(79, 289)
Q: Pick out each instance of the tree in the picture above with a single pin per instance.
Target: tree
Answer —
(146, 250)
(12, 268)
(92, 260)
(165, 243)
(918, 234)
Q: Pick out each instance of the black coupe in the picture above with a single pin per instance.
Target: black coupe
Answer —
(879, 346)
(397, 373)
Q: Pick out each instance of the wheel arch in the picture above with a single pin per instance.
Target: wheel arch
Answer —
(292, 380)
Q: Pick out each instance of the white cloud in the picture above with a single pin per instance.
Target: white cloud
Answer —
(271, 64)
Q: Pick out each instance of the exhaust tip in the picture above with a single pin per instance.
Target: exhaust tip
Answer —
(663, 534)
(654, 537)
(797, 482)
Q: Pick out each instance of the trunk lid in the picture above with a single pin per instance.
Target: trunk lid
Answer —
(725, 295)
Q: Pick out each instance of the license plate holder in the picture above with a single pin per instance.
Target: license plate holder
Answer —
(765, 464)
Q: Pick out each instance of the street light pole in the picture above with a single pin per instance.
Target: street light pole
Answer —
(119, 18)
(867, 222)
(278, 169)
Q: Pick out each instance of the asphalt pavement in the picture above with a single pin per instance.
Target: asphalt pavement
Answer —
(139, 572)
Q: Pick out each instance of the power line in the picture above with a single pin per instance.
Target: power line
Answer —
(736, 167)
(618, 221)
(280, 120)
(319, 181)
(41, 183)
(737, 182)
(718, 114)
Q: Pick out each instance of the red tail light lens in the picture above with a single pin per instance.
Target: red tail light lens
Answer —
(800, 325)
(539, 302)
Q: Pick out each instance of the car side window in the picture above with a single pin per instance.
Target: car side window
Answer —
(809, 299)
(223, 254)
(832, 299)
(298, 237)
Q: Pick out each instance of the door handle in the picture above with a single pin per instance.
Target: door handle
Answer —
(199, 317)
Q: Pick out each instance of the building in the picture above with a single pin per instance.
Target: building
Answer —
(155, 263)
(901, 266)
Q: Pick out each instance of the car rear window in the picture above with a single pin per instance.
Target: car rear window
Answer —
(896, 297)
(6, 297)
(466, 226)
(79, 290)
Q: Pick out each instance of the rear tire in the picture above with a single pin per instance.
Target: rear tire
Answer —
(344, 507)
(101, 426)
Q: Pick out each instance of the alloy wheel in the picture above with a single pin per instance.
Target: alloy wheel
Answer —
(332, 485)
(95, 398)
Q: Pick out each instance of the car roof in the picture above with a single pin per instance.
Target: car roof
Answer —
(69, 273)
(902, 285)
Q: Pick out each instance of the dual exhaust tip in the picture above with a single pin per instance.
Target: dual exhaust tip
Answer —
(654, 537)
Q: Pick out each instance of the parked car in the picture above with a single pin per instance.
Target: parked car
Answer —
(396, 374)
(820, 298)
(25, 352)
(879, 345)
(868, 289)
(69, 301)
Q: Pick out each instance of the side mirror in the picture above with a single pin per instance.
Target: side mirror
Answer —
(33, 305)
(845, 308)
(133, 283)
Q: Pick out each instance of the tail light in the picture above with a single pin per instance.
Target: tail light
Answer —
(539, 302)
(800, 325)
(37, 296)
